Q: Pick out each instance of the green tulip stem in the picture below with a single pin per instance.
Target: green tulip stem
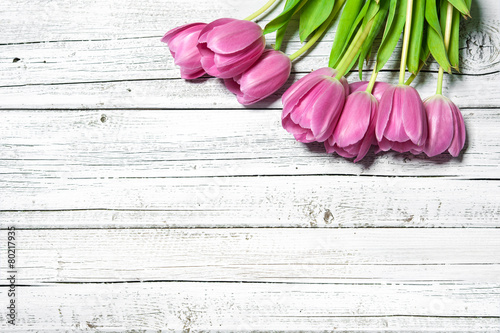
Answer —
(406, 41)
(372, 80)
(447, 36)
(353, 49)
(320, 31)
(261, 11)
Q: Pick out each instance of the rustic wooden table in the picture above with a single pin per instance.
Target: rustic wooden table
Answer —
(144, 202)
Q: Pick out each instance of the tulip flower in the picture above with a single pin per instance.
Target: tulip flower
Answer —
(401, 123)
(312, 105)
(446, 127)
(228, 47)
(355, 131)
(182, 42)
(378, 89)
(266, 76)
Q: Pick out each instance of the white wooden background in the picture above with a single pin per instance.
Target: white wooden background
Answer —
(144, 202)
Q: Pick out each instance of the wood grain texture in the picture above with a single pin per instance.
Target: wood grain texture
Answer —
(465, 91)
(334, 256)
(235, 307)
(169, 144)
(147, 203)
(313, 201)
(106, 64)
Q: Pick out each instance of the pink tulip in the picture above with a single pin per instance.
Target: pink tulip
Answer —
(266, 76)
(355, 131)
(378, 89)
(401, 123)
(446, 127)
(312, 105)
(228, 46)
(182, 42)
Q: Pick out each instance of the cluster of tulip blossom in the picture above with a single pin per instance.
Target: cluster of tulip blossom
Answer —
(233, 50)
(322, 106)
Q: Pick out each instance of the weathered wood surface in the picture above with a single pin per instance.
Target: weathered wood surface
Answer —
(334, 256)
(108, 158)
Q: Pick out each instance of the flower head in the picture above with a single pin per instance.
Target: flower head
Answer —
(401, 123)
(312, 105)
(446, 127)
(355, 131)
(182, 42)
(228, 46)
(266, 76)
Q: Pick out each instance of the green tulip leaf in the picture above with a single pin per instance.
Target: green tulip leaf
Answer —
(372, 10)
(378, 22)
(435, 39)
(280, 34)
(390, 18)
(462, 6)
(284, 17)
(342, 35)
(416, 36)
(455, 26)
(313, 14)
(424, 51)
(392, 36)
(453, 48)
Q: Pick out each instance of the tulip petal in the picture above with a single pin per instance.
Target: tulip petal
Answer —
(440, 125)
(240, 61)
(384, 144)
(204, 33)
(187, 54)
(395, 130)
(292, 127)
(233, 86)
(207, 62)
(293, 94)
(384, 112)
(402, 147)
(458, 142)
(369, 138)
(413, 115)
(233, 36)
(267, 75)
(166, 38)
(189, 74)
(302, 114)
(327, 110)
(354, 120)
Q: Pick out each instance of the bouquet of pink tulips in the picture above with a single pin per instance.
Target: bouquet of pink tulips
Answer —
(322, 106)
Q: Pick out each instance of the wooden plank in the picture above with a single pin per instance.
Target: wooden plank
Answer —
(465, 91)
(439, 257)
(117, 51)
(158, 144)
(154, 168)
(113, 19)
(234, 307)
(147, 58)
(310, 201)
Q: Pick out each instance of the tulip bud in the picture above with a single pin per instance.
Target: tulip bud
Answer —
(182, 42)
(312, 105)
(228, 47)
(446, 127)
(355, 131)
(401, 123)
(266, 76)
